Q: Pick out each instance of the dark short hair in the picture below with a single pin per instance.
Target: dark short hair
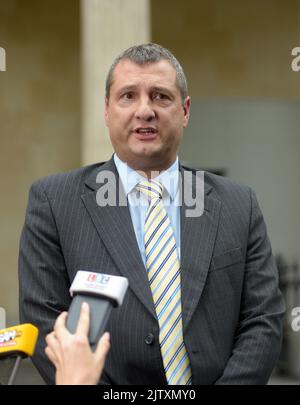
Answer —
(149, 53)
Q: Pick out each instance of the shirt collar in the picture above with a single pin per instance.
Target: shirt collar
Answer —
(130, 178)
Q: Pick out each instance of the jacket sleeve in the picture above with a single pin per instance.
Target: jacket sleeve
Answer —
(43, 279)
(258, 337)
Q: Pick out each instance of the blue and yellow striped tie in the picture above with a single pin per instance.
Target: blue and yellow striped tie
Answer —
(163, 268)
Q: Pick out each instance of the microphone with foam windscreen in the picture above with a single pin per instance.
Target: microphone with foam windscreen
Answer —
(17, 342)
(102, 292)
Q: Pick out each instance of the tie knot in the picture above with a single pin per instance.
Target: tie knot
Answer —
(152, 189)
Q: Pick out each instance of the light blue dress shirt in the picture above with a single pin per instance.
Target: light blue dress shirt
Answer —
(138, 203)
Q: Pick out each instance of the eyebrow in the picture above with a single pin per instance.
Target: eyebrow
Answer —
(127, 88)
(162, 89)
(155, 88)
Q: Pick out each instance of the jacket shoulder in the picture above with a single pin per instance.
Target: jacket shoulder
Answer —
(64, 182)
(221, 186)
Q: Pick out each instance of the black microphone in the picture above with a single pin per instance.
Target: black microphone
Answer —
(102, 292)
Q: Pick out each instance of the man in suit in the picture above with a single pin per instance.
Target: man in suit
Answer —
(224, 315)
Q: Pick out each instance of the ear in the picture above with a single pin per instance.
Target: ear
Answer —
(186, 110)
(106, 102)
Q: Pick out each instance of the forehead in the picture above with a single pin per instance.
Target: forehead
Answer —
(160, 73)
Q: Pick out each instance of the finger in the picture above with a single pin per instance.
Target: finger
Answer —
(103, 347)
(54, 345)
(51, 340)
(84, 320)
(51, 356)
(50, 337)
(60, 325)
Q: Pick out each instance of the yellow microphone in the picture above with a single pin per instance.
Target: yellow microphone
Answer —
(18, 341)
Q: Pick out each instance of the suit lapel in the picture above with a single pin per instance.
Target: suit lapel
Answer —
(114, 226)
(198, 236)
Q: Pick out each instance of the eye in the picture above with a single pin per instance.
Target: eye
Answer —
(160, 96)
(127, 96)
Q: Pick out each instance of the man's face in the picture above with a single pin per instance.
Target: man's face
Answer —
(145, 115)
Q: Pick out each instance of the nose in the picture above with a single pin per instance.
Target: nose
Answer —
(144, 110)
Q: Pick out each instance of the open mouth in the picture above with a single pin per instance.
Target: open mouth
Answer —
(145, 133)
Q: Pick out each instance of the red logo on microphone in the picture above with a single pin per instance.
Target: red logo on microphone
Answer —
(92, 277)
(98, 278)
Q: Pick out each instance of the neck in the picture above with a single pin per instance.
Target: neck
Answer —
(147, 169)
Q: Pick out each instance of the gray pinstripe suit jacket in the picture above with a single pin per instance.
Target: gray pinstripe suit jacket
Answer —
(232, 308)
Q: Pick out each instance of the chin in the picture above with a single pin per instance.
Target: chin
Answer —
(149, 150)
